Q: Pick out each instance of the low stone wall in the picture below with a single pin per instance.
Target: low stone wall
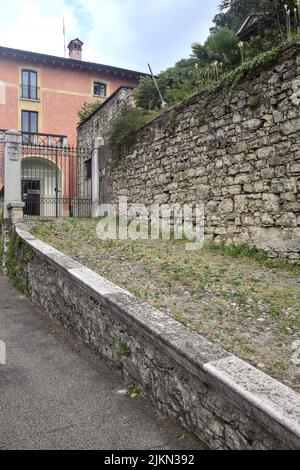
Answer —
(237, 151)
(224, 401)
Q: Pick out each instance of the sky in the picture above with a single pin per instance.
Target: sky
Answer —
(123, 33)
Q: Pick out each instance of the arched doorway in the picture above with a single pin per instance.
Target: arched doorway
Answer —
(41, 187)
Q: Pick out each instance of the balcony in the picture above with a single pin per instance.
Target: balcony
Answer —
(44, 140)
(30, 93)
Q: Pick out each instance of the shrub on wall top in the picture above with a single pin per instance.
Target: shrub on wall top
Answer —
(125, 127)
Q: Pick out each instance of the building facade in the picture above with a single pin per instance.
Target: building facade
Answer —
(40, 96)
(43, 94)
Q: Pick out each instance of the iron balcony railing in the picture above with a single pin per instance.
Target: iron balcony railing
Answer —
(29, 92)
(2, 135)
(35, 138)
(48, 140)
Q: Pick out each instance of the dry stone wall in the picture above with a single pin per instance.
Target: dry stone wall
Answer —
(237, 151)
(99, 123)
(223, 400)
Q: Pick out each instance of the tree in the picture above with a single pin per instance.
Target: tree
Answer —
(203, 55)
(272, 14)
(146, 95)
(221, 46)
(224, 43)
(225, 20)
(175, 84)
(222, 51)
(88, 109)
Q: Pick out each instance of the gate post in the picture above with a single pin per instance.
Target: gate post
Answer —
(13, 205)
(98, 142)
(12, 175)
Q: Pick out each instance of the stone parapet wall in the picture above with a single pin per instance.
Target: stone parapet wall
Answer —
(237, 150)
(99, 123)
(221, 399)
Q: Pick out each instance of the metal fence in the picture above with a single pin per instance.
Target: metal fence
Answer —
(1, 176)
(53, 180)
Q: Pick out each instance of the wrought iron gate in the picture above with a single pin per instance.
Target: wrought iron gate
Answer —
(55, 179)
(1, 174)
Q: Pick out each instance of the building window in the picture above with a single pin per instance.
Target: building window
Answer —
(29, 126)
(100, 89)
(29, 90)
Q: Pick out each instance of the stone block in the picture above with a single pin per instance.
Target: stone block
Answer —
(291, 127)
(242, 178)
(271, 203)
(287, 220)
(267, 220)
(288, 197)
(226, 206)
(267, 173)
(236, 189)
(240, 203)
(253, 124)
(295, 168)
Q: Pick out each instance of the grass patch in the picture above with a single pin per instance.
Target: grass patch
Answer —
(125, 127)
(132, 390)
(233, 295)
(245, 251)
(1, 238)
(255, 102)
(123, 348)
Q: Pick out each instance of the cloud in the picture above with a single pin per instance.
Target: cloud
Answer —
(36, 27)
(124, 33)
(83, 16)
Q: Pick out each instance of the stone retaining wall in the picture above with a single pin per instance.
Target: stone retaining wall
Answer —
(223, 400)
(237, 151)
(99, 122)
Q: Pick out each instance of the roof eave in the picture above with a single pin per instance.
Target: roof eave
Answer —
(72, 63)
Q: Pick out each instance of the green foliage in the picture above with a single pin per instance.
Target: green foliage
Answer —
(181, 319)
(202, 54)
(255, 102)
(132, 390)
(224, 45)
(214, 65)
(146, 94)
(175, 84)
(222, 52)
(123, 348)
(172, 126)
(16, 269)
(124, 128)
(88, 109)
(262, 43)
(1, 238)
(201, 121)
(269, 14)
(233, 77)
(245, 251)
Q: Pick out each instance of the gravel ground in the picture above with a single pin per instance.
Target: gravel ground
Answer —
(249, 307)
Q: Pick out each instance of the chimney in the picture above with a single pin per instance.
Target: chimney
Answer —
(75, 49)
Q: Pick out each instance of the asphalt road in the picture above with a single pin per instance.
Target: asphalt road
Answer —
(57, 394)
